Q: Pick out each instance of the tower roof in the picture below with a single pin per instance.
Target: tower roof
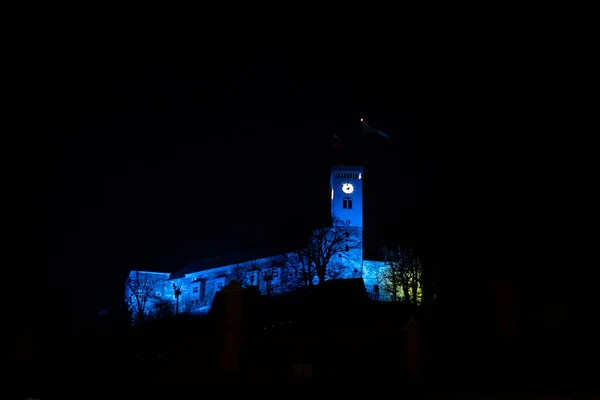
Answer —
(358, 168)
(349, 154)
(222, 261)
(348, 147)
(361, 145)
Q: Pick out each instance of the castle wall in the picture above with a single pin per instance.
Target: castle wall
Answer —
(372, 273)
(198, 289)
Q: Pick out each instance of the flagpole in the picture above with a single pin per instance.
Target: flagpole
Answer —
(362, 144)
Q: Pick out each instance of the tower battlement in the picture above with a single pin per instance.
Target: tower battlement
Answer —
(353, 167)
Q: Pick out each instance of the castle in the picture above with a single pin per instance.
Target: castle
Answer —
(333, 252)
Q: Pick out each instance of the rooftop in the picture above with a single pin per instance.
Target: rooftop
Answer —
(224, 260)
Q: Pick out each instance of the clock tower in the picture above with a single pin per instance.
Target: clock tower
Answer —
(347, 208)
(346, 194)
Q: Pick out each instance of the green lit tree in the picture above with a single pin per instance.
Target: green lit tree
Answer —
(402, 276)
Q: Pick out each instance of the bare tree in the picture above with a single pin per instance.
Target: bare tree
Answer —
(402, 275)
(414, 273)
(272, 275)
(142, 295)
(391, 274)
(239, 273)
(332, 252)
(297, 270)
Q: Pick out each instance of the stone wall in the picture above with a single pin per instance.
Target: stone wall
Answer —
(372, 276)
(198, 289)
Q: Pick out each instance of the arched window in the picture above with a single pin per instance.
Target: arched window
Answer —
(348, 203)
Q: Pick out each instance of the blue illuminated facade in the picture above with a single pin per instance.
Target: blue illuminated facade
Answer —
(193, 288)
(346, 194)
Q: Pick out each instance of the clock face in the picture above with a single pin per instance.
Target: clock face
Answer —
(347, 188)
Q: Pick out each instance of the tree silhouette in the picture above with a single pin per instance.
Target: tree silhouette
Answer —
(272, 275)
(334, 251)
(402, 276)
(331, 252)
(176, 293)
(142, 295)
(239, 273)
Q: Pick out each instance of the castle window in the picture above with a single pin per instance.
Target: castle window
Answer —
(219, 286)
(348, 204)
(254, 278)
(195, 289)
(347, 234)
(347, 248)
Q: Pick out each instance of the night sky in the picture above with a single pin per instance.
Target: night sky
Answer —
(152, 160)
